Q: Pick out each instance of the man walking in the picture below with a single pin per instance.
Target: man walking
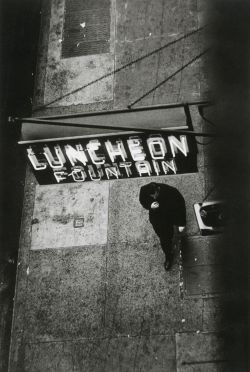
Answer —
(167, 209)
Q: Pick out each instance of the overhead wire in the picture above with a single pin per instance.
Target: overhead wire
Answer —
(208, 193)
(204, 144)
(201, 112)
(168, 78)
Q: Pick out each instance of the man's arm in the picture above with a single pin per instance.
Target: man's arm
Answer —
(178, 207)
(181, 211)
(144, 200)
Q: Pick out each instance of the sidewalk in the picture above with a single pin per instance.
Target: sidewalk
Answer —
(97, 297)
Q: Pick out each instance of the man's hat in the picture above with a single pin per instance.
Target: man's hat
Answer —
(148, 189)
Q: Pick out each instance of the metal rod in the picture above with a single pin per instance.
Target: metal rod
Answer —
(146, 130)
(126, 110)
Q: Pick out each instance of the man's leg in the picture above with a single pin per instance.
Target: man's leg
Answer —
(167, 247)
(165, 234)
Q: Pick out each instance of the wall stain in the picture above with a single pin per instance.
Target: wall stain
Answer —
(91, 65)
(61, 219)
(90, 218)
(34, 221)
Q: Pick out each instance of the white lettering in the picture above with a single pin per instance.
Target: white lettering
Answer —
(78, 175)
(112, 171)
(126, 166)
(59, 176)
(54, 163)
(34, 161)
(92, 147)
(176, 144)
(166, 165)
(143, 167)
(116, 150)
(135, 148)
(156, 167)
(76, 154)
(92, 174)
(153, 143)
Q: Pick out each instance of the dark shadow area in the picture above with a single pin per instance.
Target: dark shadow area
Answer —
(230, 37)
(20, 22)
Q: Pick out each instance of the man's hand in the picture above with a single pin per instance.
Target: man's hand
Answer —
(181, 228)
(154, 205)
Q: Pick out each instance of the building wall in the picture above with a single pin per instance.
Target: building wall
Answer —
(17, 47)
(97, 297)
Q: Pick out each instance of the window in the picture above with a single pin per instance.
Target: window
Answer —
(86, 28)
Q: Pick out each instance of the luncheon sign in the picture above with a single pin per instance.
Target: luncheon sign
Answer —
(113, 157)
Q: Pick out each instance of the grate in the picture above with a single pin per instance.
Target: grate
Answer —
(203, 280)
(76, 5)
(86, 28)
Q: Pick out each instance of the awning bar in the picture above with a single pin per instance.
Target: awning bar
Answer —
(145, 130)
(167, 119)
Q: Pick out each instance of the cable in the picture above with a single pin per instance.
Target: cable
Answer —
(120, 68)
(204, 144)
(209, 192)
(168, 78)
(201, 112)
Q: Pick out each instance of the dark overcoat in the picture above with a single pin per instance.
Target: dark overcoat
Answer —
(171, 210)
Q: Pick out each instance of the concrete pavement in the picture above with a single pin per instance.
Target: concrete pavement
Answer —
(97, 297)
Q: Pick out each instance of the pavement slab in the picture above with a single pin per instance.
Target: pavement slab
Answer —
(24, 251)
(155, 353)
(160, 23)
(56, 209)
(225, 313)
(203, 280)
(155, 18)
(82, 292)
(146, 14)
(123, 354)
(128, 221)
(204, 271)
(65, 74)
(142, 298)
(184, 51)
(214, 316)
(65, 294)
(42, 302)
(203, 250)
(200, 352)
(43, 356)
(191, 318)
(205, 367)
(130, 83)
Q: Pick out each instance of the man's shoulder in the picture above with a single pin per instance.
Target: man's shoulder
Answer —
(166, 187)
(170, 190)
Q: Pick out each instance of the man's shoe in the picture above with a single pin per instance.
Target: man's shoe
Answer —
(168, 261)
(167, 264)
